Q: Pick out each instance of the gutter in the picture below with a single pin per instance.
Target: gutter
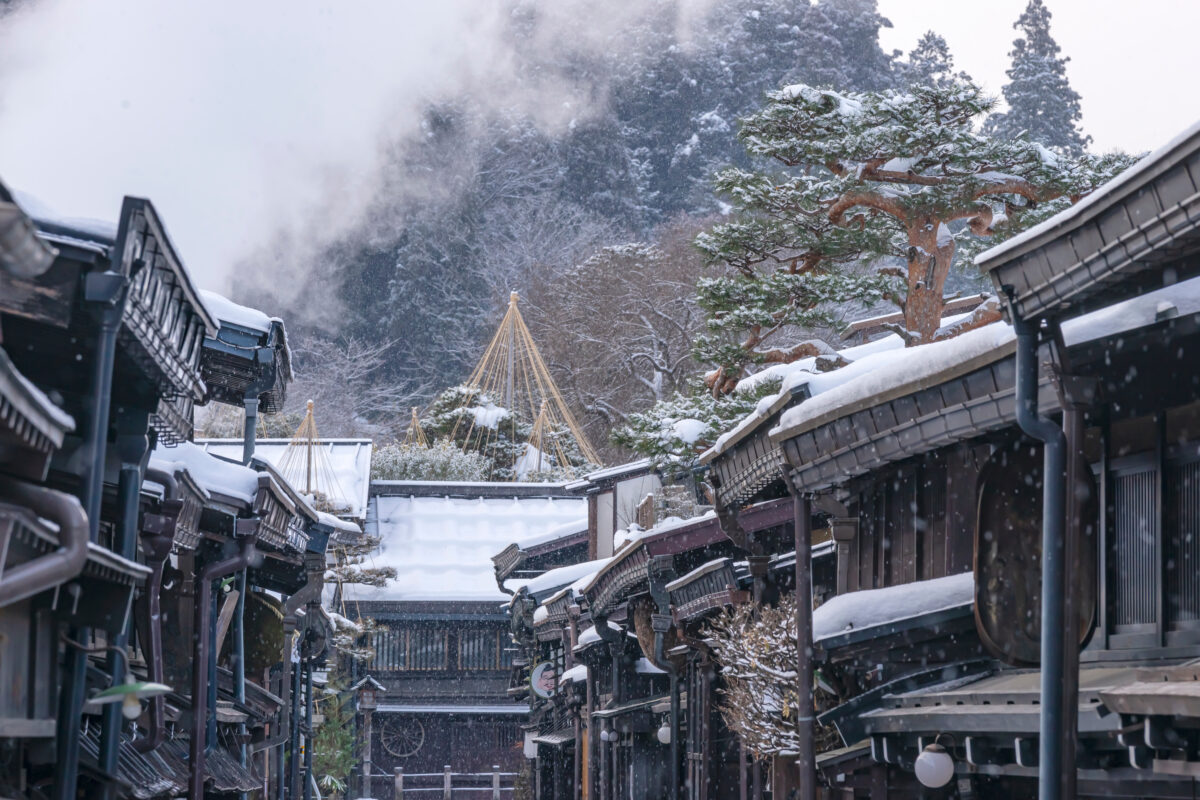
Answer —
(203, 649)
(1050, 742)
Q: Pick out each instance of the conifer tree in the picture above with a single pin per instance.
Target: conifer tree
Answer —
(930, 63)
(900, 174)
(1040, 100)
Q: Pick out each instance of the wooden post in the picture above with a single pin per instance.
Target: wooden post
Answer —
(446, 782)
(398, 788)
(495, 782)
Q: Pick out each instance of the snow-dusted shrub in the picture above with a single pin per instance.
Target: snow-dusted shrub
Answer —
(441, 461)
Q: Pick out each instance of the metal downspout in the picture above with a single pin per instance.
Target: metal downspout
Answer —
(238, 657)
(107, 291)
(308, 748)
(133, 450)
(1050, 741)
(608, 764)
(661, 623)
(806, 758)
(200, 656)
(156, 546)
(309, 594)
(67, 560)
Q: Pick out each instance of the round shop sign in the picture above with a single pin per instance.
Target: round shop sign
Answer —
(543, 680)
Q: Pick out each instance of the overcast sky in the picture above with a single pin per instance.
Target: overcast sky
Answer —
(1133, 61)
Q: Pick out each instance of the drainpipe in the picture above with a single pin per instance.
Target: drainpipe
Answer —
(608, 761)
(46, 572)
(201, 654)
(661, 573)
(1050, 740)
(158, 533)
(309, 594)
(132, 448)
(105, 293)
(238, 657)
(806, 758)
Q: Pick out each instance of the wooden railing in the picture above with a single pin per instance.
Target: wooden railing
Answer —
(425, 785)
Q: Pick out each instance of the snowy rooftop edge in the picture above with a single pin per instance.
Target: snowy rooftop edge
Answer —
(1078, 214)
(869, 608)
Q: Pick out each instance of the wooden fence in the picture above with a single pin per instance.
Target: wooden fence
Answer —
(452, 785)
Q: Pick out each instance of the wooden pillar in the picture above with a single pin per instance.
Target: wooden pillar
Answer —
(446, 783)
(398, 784)
(1075, 396)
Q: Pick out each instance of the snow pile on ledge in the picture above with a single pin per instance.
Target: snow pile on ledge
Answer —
(576, 674)
(644, 666)
(225, 310)
(563, 576)
(870, 607)
(540, 614)
(590, 635)
(886, 372)
(213, 474)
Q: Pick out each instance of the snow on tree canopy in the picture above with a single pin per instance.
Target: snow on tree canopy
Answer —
(213, 474)
(441, 547)
(870, 607)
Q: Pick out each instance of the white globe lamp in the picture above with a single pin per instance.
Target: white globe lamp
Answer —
(664, 734)
(934, 766)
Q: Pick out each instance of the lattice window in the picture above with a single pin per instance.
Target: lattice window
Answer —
(1182, 566)
(427, 649)
(477, 649)
(1135, 539)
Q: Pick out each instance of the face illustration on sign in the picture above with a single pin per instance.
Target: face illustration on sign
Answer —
(542, 680)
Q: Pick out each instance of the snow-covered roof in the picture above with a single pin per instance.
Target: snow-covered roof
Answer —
(1080, 212)
(349, 463)
(1181, 299)
(564, 576)
(209, 472)
(225, 310)
(644, 666)
(619, 470)
(871, 607)
(891, 374)
(561, 532)
(441, 547)
(795, 376)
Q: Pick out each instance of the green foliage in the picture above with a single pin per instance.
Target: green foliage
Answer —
(466, 419)
(675, 431)
(333, 741)
(1041, 102)
(440, 461)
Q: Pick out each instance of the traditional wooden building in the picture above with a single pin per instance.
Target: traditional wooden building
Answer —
(931, 467)
(442, 645)
(100, 596)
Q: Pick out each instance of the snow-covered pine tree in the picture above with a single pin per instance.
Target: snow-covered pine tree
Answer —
(931, 64)
(1040, 100)
(898, 172)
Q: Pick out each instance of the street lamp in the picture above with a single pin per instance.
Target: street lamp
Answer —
(367, 696)
(129, 694)
(934, 766)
